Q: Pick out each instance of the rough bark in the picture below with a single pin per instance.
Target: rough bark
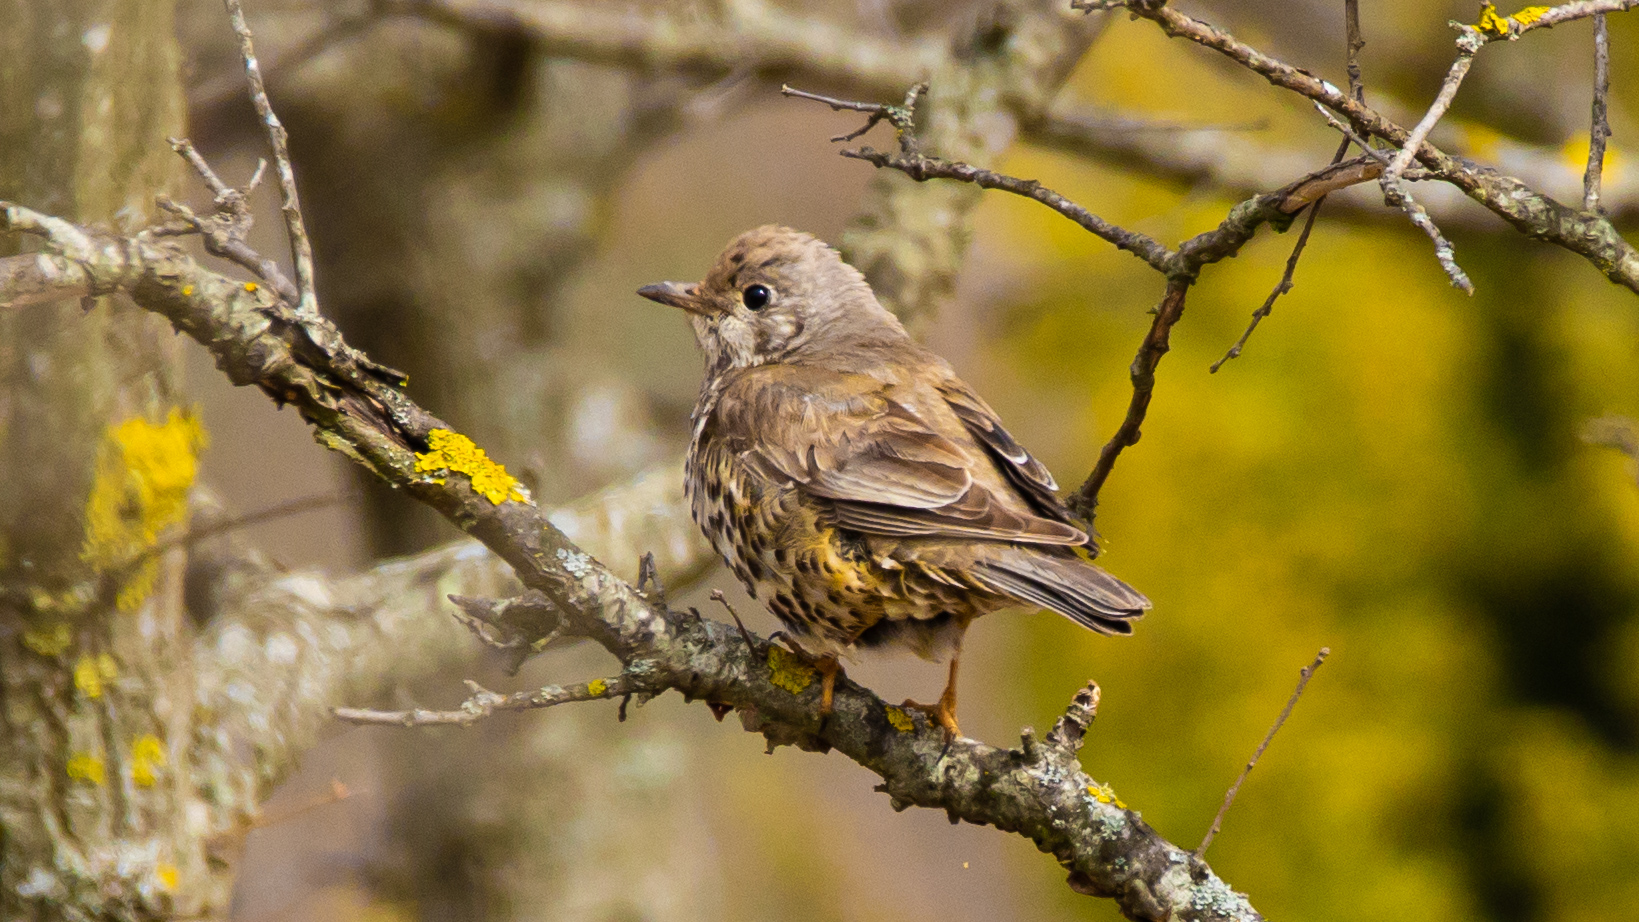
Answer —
(1037, 790)
(98, 449)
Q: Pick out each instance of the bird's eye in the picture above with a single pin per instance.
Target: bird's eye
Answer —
(756, 296)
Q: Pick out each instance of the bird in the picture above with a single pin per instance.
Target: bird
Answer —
(858, 488)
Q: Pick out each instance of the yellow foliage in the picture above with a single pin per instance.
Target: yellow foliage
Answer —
(143, 474)
(452, 452)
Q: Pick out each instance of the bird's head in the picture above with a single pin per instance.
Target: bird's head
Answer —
(778, 295)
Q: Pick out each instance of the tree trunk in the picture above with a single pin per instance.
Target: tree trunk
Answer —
(98, 455)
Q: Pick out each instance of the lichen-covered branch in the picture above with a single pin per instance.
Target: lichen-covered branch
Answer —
(1037, 790)
(1588, 234)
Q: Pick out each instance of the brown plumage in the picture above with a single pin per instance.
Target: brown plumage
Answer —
(853, 483)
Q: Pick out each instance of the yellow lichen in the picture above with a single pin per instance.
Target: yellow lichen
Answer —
(90, 672)
(1497, 26)
(452, 452)
(250, 286)
(168, 874)
(86, 677)
(596, 687)
(147, 758)
(144, 471)
(899, 720)
(83, 766)
(49, 640)
(1104, 794)
(788, 671)
(187, 291)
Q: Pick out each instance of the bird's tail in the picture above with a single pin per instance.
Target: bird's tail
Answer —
(1068, 585)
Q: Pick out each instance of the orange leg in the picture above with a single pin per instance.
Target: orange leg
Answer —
(828, 668)
(943, 712)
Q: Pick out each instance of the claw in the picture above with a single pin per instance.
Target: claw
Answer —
(943, 711)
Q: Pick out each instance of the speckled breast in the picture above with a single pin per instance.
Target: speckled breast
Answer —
(830, 587)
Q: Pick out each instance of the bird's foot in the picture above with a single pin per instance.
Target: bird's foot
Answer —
(941, 712)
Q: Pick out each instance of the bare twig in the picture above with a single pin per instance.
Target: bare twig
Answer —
(1284, 286)
(901, 117)
(1085, 500)
(261, 516)
(1357, 91)
(1394, 192)
(718, 597)
(484, 703)
(1590, 235)
(1356, 42)
(307, 305)
(1467, 44)
(226, 231)
(1600, 130)
(923, 168)
(1304, 676)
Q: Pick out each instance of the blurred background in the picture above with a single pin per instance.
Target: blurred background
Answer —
(1391, 469)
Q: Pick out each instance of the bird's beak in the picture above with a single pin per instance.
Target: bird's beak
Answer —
(675, 294)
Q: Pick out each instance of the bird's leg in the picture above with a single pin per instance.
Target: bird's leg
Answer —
(828, 668)
(943, 712)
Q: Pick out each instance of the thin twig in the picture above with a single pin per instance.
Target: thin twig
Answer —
(1601, 128)
(1283, 287)
(745, 635)
(902, 117)
(484, 703)
(1155, 345)
(1467, 44)
(922, 168)
(1394, 192)
(1304, 676)
(261, 516)
(307, 305)
(1357, 91)
(1356, 41)
(226, 231)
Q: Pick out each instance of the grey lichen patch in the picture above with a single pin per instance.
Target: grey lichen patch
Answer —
(578, 564)
(1213, 899)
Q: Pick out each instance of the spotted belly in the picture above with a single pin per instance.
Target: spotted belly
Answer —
(833, 589)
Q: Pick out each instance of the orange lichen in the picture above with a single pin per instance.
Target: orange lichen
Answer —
(452, 452)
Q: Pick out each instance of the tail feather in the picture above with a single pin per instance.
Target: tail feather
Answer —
(1070, 586)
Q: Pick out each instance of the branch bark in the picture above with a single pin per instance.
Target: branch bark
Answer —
(1037, 790)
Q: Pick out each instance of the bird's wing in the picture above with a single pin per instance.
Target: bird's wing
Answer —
(1030, 476)
(883, 468)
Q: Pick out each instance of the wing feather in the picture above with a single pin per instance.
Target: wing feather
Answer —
(883, 467)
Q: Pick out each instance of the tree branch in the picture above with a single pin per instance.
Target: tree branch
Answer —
(1038, 791)
(1085, 500)
(1600, 130)
(1591, 236)
(307, 304)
